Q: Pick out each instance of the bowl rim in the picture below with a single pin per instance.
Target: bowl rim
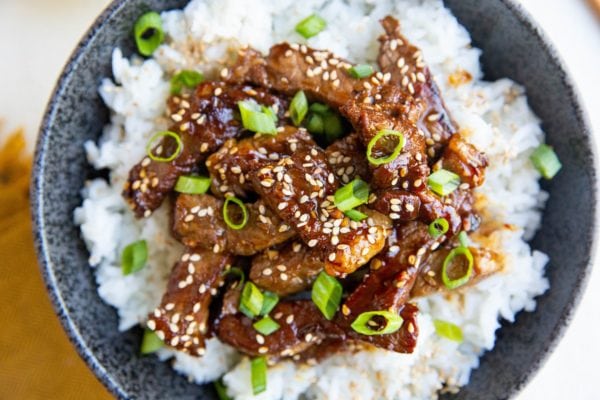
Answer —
(37, 191)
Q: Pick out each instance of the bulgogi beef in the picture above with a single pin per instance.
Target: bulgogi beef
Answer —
(280, 198)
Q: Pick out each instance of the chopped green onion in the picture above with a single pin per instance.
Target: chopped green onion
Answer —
(461, 280)
(221, 390)
(393, 155)
(134, 257)
(187, 78)
(320, 108)
(242, 206)
(192, 184)
(438, 227)
(160, 135)
(355, 215)
(311, 26)
(443, 182)
(266, 325)
(351, 195)
(251, 301)
(255, 119)
(332, 126)
(270, 112)
(236, 271)
(148, 32)
(258, 371)
(327, 294)
(315, 124)
(270, 300)
(361, 71)
(448, 330)
(150, 342)
(298, 108)
(463, 238)
(364, 322)
(546, 161)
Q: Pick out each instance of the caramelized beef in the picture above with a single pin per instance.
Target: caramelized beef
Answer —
(347, 158)
(462, 158)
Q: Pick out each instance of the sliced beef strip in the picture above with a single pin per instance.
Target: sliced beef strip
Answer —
(198, 222)
(181, 320)
(230, 166)
(203, 121)
(348, 159)
(462, 158)
(300, 190)
(288, 270)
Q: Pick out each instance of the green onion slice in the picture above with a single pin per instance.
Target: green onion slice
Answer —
(256, 118)
(364, 323)
(187, 78)
(150, 342)
(192, 184)
(443, 182)
(546, 161)
(251, 301)
(270, 300)
(448, 330)
(242, 206)
(355, 215)
(221, 390)
(438, 227)
(332, 126)
(159, 136)
(361, 71)
(463, 238)
(148, 32)
(461, 280)
(327, 294)
(311, 26)
(298, 108)
(266, 325)
(134, 257)
(258, 372)
(237, 272)
(315, 124)
(391, 157)
(351, 195)
(320, 108)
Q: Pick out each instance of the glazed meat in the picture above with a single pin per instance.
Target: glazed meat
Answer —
(203, 122)
(347, 158)
(198, 222)
(230, 166)
(288, 270)
(462, 158)
(181, 320)
(300, 188)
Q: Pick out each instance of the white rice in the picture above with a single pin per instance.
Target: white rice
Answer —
(494, 115)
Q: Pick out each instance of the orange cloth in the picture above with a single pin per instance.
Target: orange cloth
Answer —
(36, 359)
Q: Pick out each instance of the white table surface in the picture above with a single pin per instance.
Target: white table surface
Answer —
(37, 36)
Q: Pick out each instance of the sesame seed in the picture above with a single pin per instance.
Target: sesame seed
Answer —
(345, 310)
(267, 272)
(284, 276)
(218, 91)
(260, 339)
(263, 350)
(151, 324)
(312, 243)
(289, 319)
(169, 306)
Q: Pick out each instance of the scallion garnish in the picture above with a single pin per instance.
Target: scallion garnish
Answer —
(327, 294)
(242, 207)
(443, 182)
(453, 283)
(192, 184)
(311, 26)
(332, 126)
(438, 227)
(251, 300)
(298, 108)
(315, 124)
(320, 108)
(150, 342)
(270, 300)
(237, 272)
(148, 33)
(266, 325)
(361, 71)
(221, 390)
(463, 239)
(187, 78)
(365, 322)
(255, 119)
(351, 195)
(258, 372)
(448, 330)
(134, 257)
(355, 215)
(546, 161)
(159, 136)
(385, 133)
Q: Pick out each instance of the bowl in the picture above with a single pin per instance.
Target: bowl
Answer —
(513, 46)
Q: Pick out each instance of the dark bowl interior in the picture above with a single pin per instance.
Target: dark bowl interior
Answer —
(513, 47)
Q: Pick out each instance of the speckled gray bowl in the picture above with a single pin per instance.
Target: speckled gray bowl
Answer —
(512, 47)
